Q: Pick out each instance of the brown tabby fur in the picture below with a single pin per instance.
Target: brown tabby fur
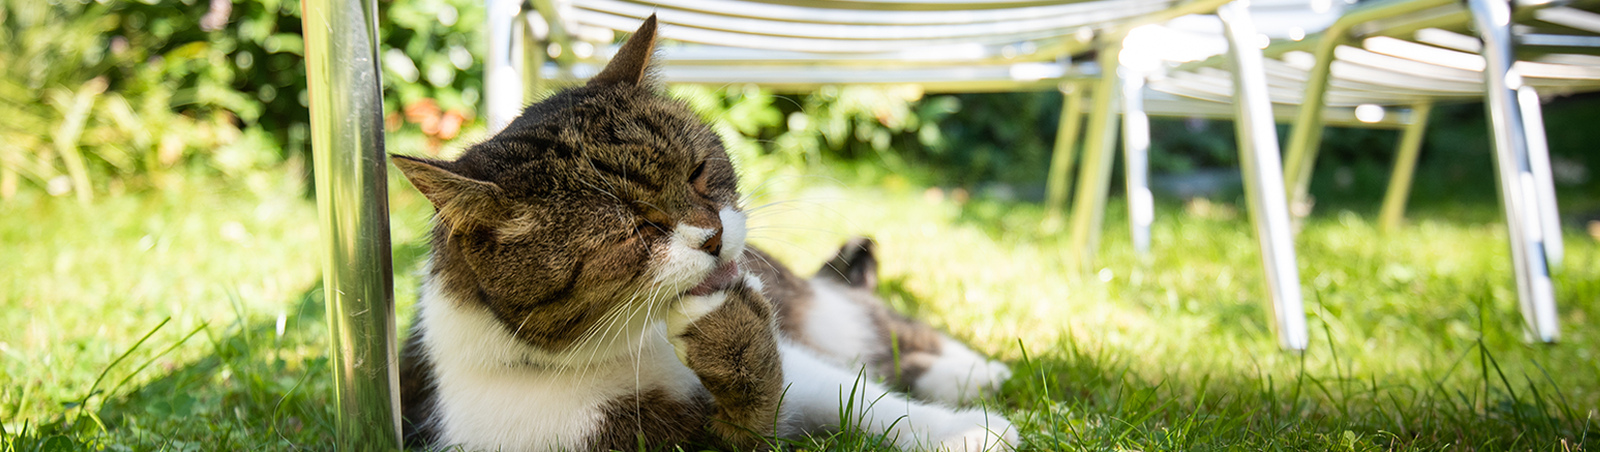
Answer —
(557, 221)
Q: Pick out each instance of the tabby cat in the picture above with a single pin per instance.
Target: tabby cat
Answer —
(590, 288)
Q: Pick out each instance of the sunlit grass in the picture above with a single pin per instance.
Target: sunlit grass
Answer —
(1416, 340)
(1411, 332)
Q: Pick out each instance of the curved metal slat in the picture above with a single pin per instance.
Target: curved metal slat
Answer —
(698, 35)
(1019, 77)
(913, 5)
(804, 14)
(745, 28)
(698, 55)
(1405, 66)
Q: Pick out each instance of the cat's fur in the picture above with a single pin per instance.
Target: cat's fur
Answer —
(589, 288)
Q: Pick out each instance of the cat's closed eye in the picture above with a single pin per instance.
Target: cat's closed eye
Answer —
(698, 180)
(649, 229)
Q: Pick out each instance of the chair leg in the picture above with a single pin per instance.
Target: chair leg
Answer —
(1405, 166)
(532, 55)
(1263, 176)
(1518, 192)
(1305, 136)
(1094, 176)
(352, 201)
(1066, 141)
(1136, 162)
(1544, 182)
(502, 84)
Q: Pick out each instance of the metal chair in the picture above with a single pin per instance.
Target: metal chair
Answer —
(1384, 64)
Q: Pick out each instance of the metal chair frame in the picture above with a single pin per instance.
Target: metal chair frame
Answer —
(1412, 54)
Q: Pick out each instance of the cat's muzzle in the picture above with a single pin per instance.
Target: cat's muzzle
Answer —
(720, 278)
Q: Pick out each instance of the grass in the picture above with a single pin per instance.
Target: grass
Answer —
(1416, 340)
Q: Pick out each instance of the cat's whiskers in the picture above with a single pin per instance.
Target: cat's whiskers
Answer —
(601, 190)
(589, 337)
(814, 203)
(605, 334)
(585, 341)
(764, 260)
(829, 263)
(796, 228)
(608, 334)
(600, 337)
(759, 190)
(652, 206)
(778, 208)
(590, 161)
(639, 351)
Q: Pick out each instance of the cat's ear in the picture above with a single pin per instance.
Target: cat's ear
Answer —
(462, 201)
(856, 265)
(631, 64)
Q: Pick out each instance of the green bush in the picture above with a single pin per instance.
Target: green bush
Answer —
(116, 95)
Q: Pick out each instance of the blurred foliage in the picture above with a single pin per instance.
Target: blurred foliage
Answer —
(896, 129)
(973, 139)
(111, 95)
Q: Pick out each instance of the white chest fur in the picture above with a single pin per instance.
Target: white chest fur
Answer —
(495, 393)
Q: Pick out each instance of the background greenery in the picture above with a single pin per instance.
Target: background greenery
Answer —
(158, 294)
(108, 96)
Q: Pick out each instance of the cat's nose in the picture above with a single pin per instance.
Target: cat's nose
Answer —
(713, 245)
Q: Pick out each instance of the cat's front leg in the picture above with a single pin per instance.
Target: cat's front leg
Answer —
(729, 340)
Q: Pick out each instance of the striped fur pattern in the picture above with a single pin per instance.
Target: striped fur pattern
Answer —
(589, 288)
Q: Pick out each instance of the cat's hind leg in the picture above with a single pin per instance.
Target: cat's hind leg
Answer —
(909, 353)
(821, 397)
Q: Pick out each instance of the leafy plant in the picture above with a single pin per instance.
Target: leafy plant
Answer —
(108, 96)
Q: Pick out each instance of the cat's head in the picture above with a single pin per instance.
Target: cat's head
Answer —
(605, 198)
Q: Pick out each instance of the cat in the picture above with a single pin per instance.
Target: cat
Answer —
(589, 288)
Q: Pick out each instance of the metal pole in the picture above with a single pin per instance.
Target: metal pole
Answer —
(1094, 176)
(1136, 159)
(1263, 176)
(1518, 192)
(352, 200)
(1306, 135)
(1544, 183)
(1405, 166)
(502, 85)
(1062, 160)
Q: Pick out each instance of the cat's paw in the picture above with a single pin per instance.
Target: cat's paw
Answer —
(961, 376)
(689, 309)
(975, 431)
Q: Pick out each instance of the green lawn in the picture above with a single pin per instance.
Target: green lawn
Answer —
(1416, 341)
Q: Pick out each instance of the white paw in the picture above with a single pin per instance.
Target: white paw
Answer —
(960, 376)
(689, 309)
(975, 431)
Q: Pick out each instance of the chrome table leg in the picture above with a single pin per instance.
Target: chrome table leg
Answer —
(352, 199)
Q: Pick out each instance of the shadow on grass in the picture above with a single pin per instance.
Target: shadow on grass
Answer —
(263, 385)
